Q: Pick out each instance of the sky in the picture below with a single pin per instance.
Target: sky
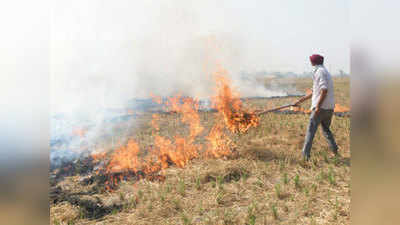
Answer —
(374, 36)
(272, 35)
(104, 52)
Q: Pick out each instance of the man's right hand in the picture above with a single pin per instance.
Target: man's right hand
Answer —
(303, 99)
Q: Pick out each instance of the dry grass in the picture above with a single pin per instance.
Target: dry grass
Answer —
(267, 183)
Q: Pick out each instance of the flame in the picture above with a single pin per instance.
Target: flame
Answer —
(180, 150)
(340, 108)
(188, 108)
(98, 156)
(219, 143)
(154, 122)
(165, 152)
(229, 105)
(125, 158)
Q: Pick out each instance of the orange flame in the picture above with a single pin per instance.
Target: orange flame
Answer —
(98, 156)
(180, 150)
(189, 110)
(228, 103)
(154, 122)
(125, 158)
(340, 108)
(219, 143)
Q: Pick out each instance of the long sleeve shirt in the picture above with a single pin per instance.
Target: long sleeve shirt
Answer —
(322, 80)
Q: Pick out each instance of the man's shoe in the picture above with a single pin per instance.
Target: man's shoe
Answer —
(306, 157)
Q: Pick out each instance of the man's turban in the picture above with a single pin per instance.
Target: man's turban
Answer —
(317, 59)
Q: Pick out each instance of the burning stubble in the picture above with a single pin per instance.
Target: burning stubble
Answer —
(181, 149)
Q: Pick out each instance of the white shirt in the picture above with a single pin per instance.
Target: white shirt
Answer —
(322, 80)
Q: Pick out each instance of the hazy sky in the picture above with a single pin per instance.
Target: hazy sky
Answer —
(114, 49)
(273, 35)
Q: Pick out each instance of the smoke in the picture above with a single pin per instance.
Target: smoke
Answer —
(98, 65)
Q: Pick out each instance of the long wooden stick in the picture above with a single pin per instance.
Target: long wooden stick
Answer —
(275, 109)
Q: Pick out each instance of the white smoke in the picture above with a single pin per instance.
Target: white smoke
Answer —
(100, 60)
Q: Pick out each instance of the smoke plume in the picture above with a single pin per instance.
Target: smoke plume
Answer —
(97, 68)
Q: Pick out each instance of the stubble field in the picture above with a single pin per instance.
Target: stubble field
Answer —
(264, 182)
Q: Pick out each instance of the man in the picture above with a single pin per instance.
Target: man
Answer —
(322, 105)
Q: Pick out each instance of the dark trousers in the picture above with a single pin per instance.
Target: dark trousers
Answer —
(324, 117)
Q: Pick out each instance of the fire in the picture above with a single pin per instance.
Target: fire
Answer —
(165, 152)
(178, 153)
(181, 149)
(188, 108)
(228, 103)
(340, 108)
(98, 156)
(125, 158)
(154, 122)
(219, 143)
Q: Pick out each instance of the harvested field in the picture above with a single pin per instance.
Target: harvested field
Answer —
(263, 181)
